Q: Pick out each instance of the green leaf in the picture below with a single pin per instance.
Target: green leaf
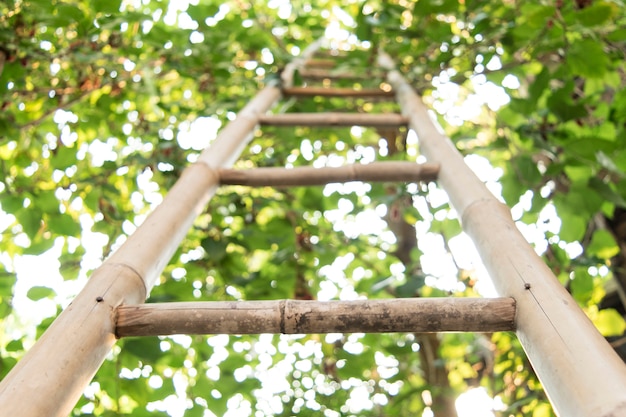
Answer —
(11, 203)
(572, 226)
(539, 84)
(38, 245)
(145, 348)
(201, 12)
(5, 308)
(30, 219)
(66, 15)
(595, 14)
(607, 192)
(46, 201)
(582, 285)
(215, 250)
(609, 322)
(39, 293)
(588, 148)
(606, 162)
(527, 170)
(587, 58)
(603, 245)
(106, 6)
(14, 346)
(7, 282)
(560, 103)
(64, 157)
(617, 35)
(63, 224)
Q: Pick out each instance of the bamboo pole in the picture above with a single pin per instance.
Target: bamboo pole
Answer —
(52, 375)
(301, 176)
(334, 119)
(417, 315)
(336, 92)
(322, 74)
(320, 63)
(581, 373)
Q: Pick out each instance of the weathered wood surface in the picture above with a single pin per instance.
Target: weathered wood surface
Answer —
(334, 119)
(304, 176)
(336, 92)
(416, 315)
(321, 74)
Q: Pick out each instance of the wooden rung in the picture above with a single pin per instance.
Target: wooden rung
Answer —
(304, 176)
(334, 119)
(321, 74)
(336, 92)
(320, 63)
(416, 315)
(330, 54)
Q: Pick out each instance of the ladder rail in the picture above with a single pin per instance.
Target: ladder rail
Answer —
(578, 368)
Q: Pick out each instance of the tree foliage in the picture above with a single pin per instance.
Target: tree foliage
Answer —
(105, 102)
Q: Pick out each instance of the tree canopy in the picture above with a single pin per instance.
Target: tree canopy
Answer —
(105, 102)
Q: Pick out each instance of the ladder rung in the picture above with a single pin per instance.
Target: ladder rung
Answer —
(334, 119)
(303, 176)
(336, 92)
(321, 74)
(423, 315)
(330, 54)
(320, 63)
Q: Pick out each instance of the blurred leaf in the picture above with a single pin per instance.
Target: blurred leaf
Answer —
(587, 58)
(603, 245)
(609, 322)
(30, 219)
(64, 224)
(596, 14)
(215, 250)
(145, 348)
(582, 285)
(38, 293)
(106, 6)
(64, 157)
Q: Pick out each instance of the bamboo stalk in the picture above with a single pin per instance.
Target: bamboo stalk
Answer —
(304, 176)
(334, 119)
(322, 74)
(320, 63)
(576, 365)
(336, 92)
(65, 358)
(417, 315)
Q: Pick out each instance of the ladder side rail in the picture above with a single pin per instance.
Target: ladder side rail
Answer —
(50, 378)
(581, 373)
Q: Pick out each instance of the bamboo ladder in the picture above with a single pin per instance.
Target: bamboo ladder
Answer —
(579, 370)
